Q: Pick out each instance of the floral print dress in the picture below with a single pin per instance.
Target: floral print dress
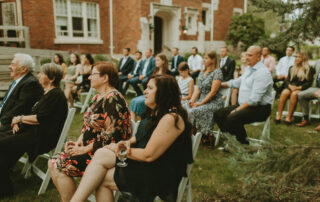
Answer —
(202, 116)
(106, 121)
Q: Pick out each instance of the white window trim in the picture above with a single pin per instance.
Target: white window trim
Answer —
(166, 2)
(78, 40)
(207, 8)
(237, 10)
(193, 13)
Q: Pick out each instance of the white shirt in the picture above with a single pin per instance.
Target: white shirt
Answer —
(124, 60)
(223, 61)
(10, 91)
(144, 71)
(195, 62)
(136, 67)
(284, 64)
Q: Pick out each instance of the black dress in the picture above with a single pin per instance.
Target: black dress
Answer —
(306, 83)
(160, 177)
(51, 111)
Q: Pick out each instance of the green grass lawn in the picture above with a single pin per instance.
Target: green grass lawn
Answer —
(211, 177)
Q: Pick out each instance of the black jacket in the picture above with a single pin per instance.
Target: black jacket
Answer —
(127, 67)
(228, 69)
(25, 94)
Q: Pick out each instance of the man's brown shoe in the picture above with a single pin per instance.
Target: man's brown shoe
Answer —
(317, 128)
(302, 123)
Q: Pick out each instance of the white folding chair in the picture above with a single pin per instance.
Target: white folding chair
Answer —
(226, 92)
(315, 115)
(266, 128)
(45, 176)
(185, 181)
(84, 105)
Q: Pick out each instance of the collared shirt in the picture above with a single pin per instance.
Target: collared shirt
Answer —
(284, 64)
(175, 62)
(255, 85)
(195, 62)
(124, 60)
(136, 67)
(269, 62)
(144, 71)
(11, 89)
(223, 61)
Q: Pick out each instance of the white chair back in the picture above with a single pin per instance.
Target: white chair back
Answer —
(226, 93)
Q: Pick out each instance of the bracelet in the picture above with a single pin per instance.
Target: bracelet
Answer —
(20, 120)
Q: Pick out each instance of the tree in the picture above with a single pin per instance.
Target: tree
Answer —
(300, 20)
(246, 30)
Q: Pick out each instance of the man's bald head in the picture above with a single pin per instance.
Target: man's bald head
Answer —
(253, 55)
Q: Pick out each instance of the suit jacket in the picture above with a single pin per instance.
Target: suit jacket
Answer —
(127, 67)
(228, 69)
(317, 72)
(25, 94)
(150, 68)
(139, 68)
(180, 59)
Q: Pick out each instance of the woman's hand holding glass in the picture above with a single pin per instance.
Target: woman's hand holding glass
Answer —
(122, 150)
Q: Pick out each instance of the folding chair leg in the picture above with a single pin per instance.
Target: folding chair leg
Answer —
(26, 166)
(189, 192)
(116, 195)
(181, 189)
(266, 130)
(217, 138)
(45, 183)
(27, 173)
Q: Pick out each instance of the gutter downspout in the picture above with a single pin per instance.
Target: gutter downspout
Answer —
(212, 18)
(245, 7)
(111, 28)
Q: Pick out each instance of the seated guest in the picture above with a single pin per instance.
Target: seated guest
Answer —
(282, 69)
(206, 98)
(227, 64)
(36, 133)
(106, 121)
(195, 63)
(85, 71)
(157, 157)
(267, 59)
(73, 72)
(125, 67)
(24, 91)
(185, 82)
(255, 97)
(137, 106)
(58, 59)
(135, 71)
(309, 94)
(239, 71)
(146, 70)
(175, 61)
(300, 78)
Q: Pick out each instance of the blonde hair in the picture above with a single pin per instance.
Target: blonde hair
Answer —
(300, 70)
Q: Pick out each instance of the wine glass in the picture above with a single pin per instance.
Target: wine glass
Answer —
(122, 155)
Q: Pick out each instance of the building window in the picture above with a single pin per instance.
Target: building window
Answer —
(206, 15)
(166, 2)
(191, 16)
(237, 11)
(76, 22)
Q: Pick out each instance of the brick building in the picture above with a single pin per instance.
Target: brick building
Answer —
(84, 25)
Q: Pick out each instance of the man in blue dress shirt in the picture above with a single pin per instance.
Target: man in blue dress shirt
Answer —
(255, 97)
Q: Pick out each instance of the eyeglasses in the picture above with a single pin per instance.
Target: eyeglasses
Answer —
(94, 73)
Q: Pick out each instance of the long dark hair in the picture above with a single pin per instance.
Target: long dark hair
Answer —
(61, 60)
(77, 59)
(165, 66)
(90, 58)
(168, 99)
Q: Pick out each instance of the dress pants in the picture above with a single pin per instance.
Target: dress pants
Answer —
(134, 83)
(122, 79)
(304, 98)
(234, 123)
(194, 75)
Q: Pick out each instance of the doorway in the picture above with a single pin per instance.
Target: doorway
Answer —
(158, 24)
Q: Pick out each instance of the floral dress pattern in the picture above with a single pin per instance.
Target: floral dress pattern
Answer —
(106, 121)
(202, 116)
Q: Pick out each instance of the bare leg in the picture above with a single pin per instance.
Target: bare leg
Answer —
(65, 184)
(234, 96)
(67, 92)
(104, 192)
(102, 161)
(293, 104)
(282, 101)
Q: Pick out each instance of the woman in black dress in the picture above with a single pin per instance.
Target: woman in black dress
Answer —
(106, 121)
(158, 155)
(39, 132)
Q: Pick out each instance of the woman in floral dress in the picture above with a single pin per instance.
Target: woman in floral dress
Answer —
(106, 121)
(206, 99)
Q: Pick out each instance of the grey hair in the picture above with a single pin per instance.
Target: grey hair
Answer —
(54, 72)
(25, 60)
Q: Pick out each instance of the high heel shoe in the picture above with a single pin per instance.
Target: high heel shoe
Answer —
(277, 121)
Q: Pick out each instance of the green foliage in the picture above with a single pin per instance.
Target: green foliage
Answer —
(246, 30)
(98, 58)
(45, 60)
(299, 20)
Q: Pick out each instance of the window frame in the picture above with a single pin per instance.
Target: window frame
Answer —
(70, 39)
(193, 26)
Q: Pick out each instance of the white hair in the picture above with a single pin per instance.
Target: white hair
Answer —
(25, 60)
